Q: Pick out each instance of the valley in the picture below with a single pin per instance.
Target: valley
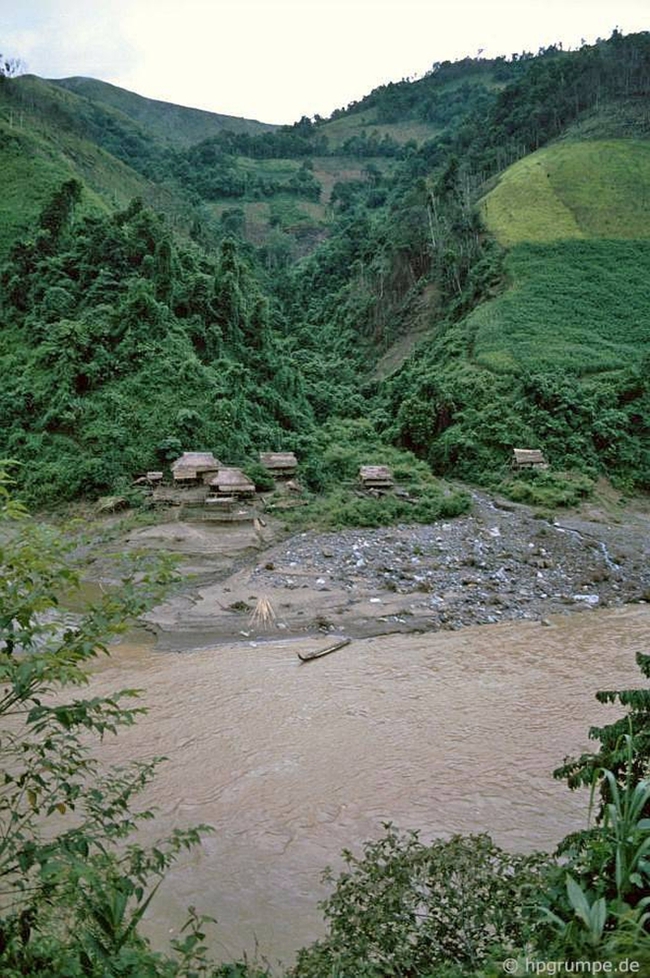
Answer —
(451, 270)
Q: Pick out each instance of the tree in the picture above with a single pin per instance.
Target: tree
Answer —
(57, 215)
(10, 67)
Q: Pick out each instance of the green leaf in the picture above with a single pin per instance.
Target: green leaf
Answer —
(578, 900)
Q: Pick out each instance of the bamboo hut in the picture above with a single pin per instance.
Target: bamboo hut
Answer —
(194, 467)
(376, 477)
(230, 482)
(281, 465)
(528, 458)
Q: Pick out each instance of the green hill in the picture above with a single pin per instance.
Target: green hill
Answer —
(591, 189)
(50, 135)
(171, 124)
(575, 217)
(547, 342)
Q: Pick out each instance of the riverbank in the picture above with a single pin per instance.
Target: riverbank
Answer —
(500, 562)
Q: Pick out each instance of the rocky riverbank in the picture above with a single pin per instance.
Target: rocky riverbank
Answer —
(498, 563)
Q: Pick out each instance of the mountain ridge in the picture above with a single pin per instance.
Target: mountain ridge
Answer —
(184, 124)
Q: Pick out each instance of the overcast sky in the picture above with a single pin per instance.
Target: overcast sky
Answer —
(276, 60)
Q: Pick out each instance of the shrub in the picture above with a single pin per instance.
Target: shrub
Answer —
(408, 908)
(264, 481)
(547, 488)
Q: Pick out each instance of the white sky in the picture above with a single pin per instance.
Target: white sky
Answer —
(276, 60)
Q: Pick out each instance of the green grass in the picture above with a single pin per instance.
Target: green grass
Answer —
(276, 169)
(578, 306)
(594, 189)
(547, 489)
(355, 123)
(30, 171)
(27, 181)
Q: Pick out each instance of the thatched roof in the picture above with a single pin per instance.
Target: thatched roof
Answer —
(279, 461)
(528, 457)
(376, 475)
(199, 461)
(232, 479)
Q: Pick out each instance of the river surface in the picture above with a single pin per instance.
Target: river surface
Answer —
(291, 762)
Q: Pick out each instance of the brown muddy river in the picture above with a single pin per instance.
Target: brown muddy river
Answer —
(291, 762)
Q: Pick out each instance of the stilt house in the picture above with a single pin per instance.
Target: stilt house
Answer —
(194, 468)
(230, 482)
(281, 465)
(376, 477)
(528, 458)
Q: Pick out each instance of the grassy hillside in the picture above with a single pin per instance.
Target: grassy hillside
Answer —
(33, 164)
(591, 189)
(556, 352)
(576, 218)
(49, 136)
(172, 124)
(352, 124)
(29, 174)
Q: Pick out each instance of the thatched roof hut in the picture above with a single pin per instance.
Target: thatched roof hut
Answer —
(230, 481)
(528, 458)
(192, 466)
(376, 477)
(279, 464)
(185, 474)
(199, 461)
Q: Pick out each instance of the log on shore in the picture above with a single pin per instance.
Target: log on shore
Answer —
(308, 656)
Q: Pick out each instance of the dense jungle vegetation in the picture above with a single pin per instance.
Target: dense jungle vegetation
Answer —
(129, 334)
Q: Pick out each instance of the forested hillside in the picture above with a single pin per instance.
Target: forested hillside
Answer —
(237, 289)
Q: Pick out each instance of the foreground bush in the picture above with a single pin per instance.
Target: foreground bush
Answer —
(406, 908)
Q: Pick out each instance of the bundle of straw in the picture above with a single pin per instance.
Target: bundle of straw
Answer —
(263, 613)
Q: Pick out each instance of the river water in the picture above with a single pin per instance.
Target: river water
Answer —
(291, 762)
